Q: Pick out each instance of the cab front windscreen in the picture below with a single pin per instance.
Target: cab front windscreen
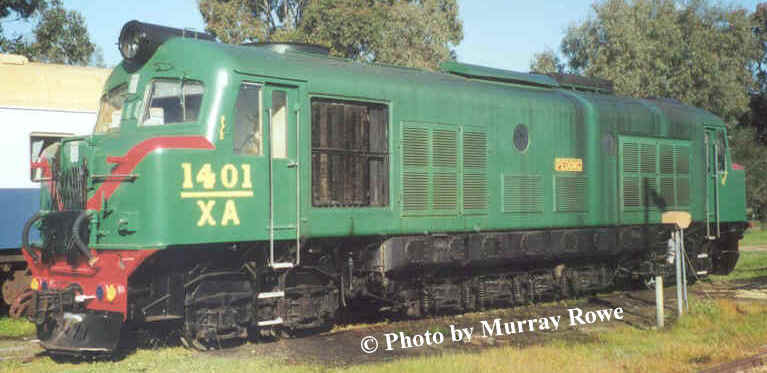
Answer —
(110, 109)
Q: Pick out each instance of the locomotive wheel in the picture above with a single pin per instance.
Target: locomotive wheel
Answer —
(16, 285)
(218, 311)
(22, 305)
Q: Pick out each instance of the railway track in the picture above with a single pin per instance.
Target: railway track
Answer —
(756, 363)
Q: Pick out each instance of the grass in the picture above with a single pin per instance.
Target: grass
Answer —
(754, 237)
(715, 331)
(15, 328)
(751, 265)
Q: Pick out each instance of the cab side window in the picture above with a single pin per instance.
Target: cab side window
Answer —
(721, 152)
(350, 153)
(247, 123)
(173, 101)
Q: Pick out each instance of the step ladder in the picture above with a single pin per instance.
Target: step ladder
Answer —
(282, 269)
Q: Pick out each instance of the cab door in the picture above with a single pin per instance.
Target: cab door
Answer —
(281, 113)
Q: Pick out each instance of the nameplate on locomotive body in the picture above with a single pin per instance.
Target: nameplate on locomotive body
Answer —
(568, 164)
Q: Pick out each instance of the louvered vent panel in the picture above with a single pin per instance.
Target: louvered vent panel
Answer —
(631, 196)
(522, 194)
(445, 191)
(571, 193)
(683, 191)
(475, 191)
(667, 191)
(650, 187)
(415, 191)
(649, 158)
(475, 171)
(667, 159)
(682, 154)
(415, 147)
(444, 170)
(445, 148)
(474, 150)
(631, 157)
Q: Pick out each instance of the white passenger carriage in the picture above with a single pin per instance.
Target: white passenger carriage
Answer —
(39, 103)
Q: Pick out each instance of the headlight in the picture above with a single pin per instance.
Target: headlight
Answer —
(139, 40)
(130, 40)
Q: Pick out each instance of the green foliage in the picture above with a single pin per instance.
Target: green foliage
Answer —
(60, 36)
(417, 33)
(547, 62)
(23, 8)
(20, 9)
(748, 151)
(233, 21)
(698, 53)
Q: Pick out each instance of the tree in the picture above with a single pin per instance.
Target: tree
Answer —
(20, 9)
(60, 36)
(547, 62)
(418, 33)
(757, 117)
(698, 53)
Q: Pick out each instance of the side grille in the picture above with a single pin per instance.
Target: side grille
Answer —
(68, 195)
(69, 189)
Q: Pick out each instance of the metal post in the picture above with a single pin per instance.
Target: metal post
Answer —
(271, 191)
(678, 262)
(659, 300)
(684, 270)
(298, 187)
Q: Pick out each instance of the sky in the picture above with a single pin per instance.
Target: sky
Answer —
(498, 33)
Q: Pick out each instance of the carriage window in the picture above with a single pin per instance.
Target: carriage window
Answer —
(350, 154)
(247, 124)
(43, 146)
(173, 101)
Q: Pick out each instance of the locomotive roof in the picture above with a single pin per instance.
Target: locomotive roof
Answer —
(325, 74)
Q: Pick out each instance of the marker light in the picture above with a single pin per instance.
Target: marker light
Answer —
(34, 284)
(111, 293)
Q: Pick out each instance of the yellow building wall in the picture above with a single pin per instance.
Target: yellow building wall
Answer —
(27, 84)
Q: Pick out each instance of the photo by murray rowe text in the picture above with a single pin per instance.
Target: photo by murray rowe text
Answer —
(488, 328)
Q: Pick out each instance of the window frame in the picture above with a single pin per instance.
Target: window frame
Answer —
(260, 110)
(102, 101)
(146, 104)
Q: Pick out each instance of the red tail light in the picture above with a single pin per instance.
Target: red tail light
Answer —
(736, 166)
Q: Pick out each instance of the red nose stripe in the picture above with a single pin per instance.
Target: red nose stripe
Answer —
(128, 162)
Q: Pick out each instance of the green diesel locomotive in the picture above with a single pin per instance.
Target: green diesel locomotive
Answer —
(231, 191)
